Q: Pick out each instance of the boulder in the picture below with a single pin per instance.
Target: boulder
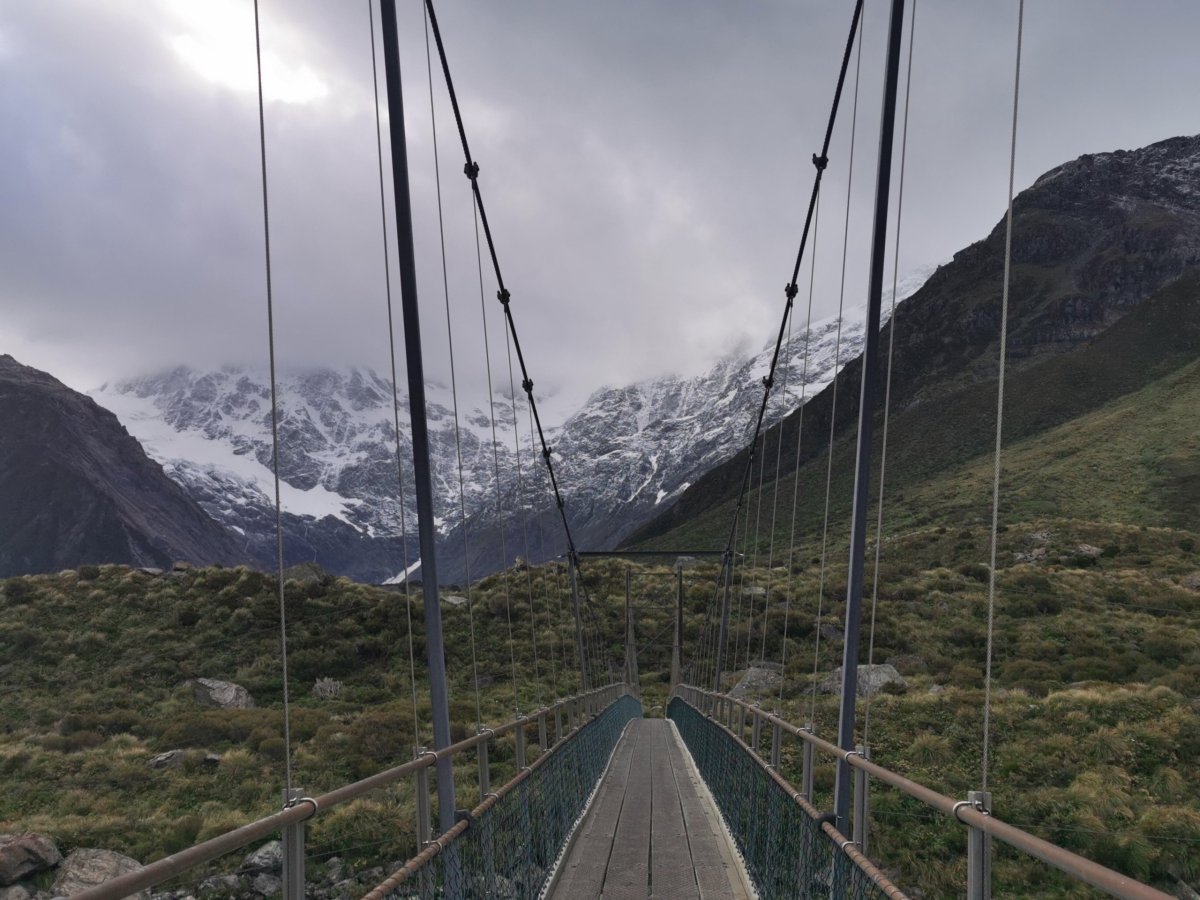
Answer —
(871, 680)
(15, 892)
(220, 694)
(172, 759)
(26, 854)
(223, 885)
(266, 884)
(307, 573)
(85, 868)
(454, 599)
(267, 858)
(756, 681)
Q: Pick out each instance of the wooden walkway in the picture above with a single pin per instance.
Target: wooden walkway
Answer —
(651, 831)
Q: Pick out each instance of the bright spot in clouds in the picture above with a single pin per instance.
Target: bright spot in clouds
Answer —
(216, 40)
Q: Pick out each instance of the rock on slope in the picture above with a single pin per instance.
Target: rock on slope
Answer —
(76, 488)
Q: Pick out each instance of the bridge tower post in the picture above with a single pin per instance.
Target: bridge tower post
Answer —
(632, 677)
(434, 648)
(843, 786)
(677, 642)
(573, 565)
(723, 631)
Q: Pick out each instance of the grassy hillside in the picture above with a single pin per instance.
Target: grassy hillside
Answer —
(1104, 432)
(1097, 665)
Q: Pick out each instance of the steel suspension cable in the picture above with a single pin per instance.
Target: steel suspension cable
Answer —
(522, 495)
(820, 162)
(787, 371)
(762, 469)
(887, 391)
(527, 491)
(262, 147)
(387, 282)
(1008, 228)
(471, 169)
(462, 497)
(837, 361)
(487, 355)
(787, 608)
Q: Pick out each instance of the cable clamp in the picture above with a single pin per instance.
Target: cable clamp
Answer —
(561, 503)
(845, 844)
(546, 451)
(309, 800)
(488, 731)
(503, 296)
(768, 381)
(430, 753)
(849, 753)
(820, 162)
(471, 170)
(527, 384)
(974, 804)
(790, 291)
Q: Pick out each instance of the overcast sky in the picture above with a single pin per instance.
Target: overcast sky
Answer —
(645, 165)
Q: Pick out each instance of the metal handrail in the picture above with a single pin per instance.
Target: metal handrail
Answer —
(177, 863)
(1079, 867)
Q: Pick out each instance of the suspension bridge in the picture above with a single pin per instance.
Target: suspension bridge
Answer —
(717, 797)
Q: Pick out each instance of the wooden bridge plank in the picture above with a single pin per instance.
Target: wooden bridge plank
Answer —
(582, 872)
(718, 871)
(672, 871)
(628, 876)
(650, 833)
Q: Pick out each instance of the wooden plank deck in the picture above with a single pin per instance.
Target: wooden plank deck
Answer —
(651, 832)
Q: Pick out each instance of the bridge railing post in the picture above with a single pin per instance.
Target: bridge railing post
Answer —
(755, 729)
(806, 768)
(542, 732)
(979, 851)
(741, 722)
(862, 802)
(520, 734)
(776, 744)
(485, 772)
(424, 822)
(293, 852)
(558, 727)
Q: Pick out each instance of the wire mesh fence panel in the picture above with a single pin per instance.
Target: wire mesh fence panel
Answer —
(785, 851)
(509, 851)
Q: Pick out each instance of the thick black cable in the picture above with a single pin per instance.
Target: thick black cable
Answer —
(387, 283)
(283, 648)
(820, 162)
(472, 171)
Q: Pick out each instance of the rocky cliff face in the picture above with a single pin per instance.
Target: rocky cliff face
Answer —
(627, 452)
(1092, 240)
(76, 488)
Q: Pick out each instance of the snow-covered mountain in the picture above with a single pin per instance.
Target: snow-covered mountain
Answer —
(622, 457)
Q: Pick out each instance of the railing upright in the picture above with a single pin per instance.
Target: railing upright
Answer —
(862, 802)
(806, 769)
(979, 850)
(293, 851)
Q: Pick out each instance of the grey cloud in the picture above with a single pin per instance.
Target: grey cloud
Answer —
(645, 165)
